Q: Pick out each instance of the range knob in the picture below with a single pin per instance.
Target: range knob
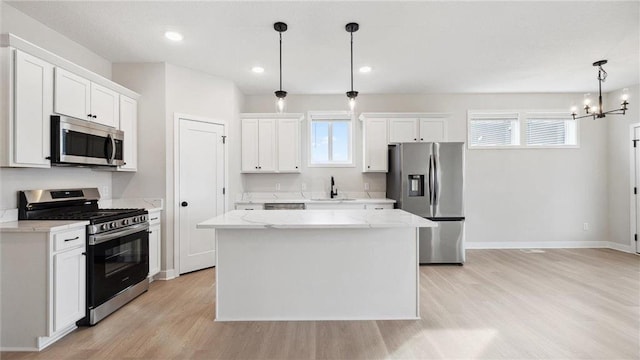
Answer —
(143, 218)
(104, 227)
(112, 225)
(125, 222)
(134, 219)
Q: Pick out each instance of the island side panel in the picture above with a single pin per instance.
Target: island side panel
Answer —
(317, 274)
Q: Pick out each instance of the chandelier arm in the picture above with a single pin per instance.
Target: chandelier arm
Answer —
(352, 61)
(280, 60)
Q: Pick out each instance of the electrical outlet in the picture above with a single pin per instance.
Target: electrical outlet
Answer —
(585, 226)
(303, 186)
(366, 186)
(277, 186)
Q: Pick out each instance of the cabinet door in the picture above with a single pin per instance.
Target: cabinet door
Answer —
(72, 95)
(433, 130)
(129, 124)
(249, 145)
(104, 105)
(289, 145)
(375, 145)
(267, 145)
(403, 130)
(33, 106)
(154, 248)
(68, 287)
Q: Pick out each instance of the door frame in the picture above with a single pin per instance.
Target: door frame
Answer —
(176, 178)
(634, 226)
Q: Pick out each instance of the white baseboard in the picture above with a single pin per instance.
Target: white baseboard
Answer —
(550, 245)
(169, 274)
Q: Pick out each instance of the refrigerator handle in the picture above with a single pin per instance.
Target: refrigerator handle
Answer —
(435, 180)
(430, 179)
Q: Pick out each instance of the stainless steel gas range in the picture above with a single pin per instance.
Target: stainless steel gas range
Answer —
(117, 244)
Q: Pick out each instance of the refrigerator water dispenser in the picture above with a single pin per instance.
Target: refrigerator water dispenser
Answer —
(416, 185)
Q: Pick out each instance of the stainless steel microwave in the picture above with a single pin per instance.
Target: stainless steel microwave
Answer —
(83, 143)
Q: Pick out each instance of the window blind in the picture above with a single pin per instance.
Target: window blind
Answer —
(550, 130)
(493, 130)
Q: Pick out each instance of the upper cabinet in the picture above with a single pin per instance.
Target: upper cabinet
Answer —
(27, 101)
(36, 84)
(381, 129)
(375, 145)
(129, 124)
(80, 98)
(271, 143)
(410, 129)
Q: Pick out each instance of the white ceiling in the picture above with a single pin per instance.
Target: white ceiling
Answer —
(413, 47)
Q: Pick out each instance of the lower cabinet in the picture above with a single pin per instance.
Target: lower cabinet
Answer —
(154, 243)
(42, 286)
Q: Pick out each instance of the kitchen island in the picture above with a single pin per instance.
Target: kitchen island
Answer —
(316, 264)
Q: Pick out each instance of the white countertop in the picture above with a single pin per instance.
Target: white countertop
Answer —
(315, 219)
(40, 225)
(318, 201)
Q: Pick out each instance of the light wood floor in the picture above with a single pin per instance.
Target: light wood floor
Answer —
(503, 304)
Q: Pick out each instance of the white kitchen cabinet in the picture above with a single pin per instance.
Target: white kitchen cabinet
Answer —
(375, 145)
(154, 243)
(258, 145)
(428, 129)
(270, 143)
(289, 145)
(49, 296)
(27, 83)
(78, 97)
(129, 124)
(69, 291)
(403, 130)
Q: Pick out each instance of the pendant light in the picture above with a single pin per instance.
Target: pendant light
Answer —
(280, 27)
(351, 28)
(598, 111)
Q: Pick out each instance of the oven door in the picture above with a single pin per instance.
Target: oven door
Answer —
(75, 141)
(116, 260)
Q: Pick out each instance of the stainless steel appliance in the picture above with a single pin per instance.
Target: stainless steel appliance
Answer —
(83, 143)
(427, 179)
(117, 244)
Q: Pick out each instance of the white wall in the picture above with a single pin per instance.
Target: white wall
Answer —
(524, 195)
(18, 23)
(619, 153)
(167, 89)
(12, 179)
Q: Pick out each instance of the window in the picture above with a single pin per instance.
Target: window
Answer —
(495, 130)
(330, 139)
(551, 130)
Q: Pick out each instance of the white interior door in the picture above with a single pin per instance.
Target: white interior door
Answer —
(201, 191)
(636, 151)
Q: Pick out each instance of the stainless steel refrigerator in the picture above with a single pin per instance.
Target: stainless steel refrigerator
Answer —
(427, 179)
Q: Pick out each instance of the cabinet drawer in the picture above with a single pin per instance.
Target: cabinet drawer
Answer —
(154, 218)
(68, 239)
(378, 206)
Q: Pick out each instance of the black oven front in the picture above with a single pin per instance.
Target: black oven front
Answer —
(117, 261)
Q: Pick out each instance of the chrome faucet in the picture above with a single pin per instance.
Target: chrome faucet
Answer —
(334, 190)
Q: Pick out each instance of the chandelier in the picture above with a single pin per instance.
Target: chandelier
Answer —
(598, 111)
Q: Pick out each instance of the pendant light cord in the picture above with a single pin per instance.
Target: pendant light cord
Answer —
(281, 60)
(351, 61)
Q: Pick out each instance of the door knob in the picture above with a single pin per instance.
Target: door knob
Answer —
(184, 203)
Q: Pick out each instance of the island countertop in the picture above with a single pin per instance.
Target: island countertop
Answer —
(315, 219)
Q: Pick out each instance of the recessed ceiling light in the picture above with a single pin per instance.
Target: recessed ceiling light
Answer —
(365, 69)
(257, 69)
(173, 36)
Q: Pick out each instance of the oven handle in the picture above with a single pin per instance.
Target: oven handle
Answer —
(100, 238)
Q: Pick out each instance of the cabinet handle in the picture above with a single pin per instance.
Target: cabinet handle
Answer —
(95, 116)
(379, 208)
(150, 232)
(155, 218)
(75, 238)
(421, 139)
(184, 203)
(368, 166)
(84, 254)
(414, 139)
(89, 115)
(296, 167)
